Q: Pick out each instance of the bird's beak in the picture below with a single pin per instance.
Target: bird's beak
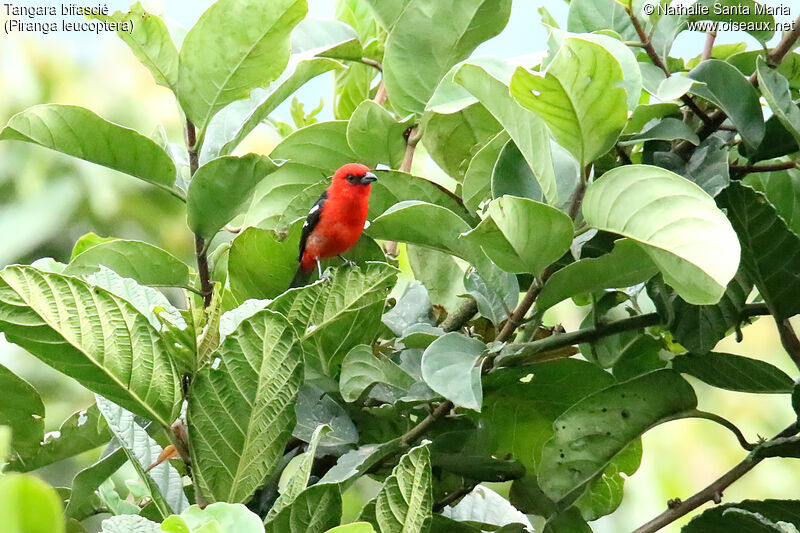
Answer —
(368, 178)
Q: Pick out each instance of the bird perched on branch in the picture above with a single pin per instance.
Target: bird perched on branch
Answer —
(336, 221)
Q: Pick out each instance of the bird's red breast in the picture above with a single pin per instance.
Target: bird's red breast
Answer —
(337, 219)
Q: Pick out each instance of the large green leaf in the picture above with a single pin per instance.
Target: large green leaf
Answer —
(163, 482)
(129, 523)
(23, 412)
(260, 264)
(93, 336)
(219, 189)
(232, 124)
(521, 235)
(78, 132)
(394, 187)
(476, 186)
(150, 42)
(29, 505)
(586, 16)
(775, 89)
(241, 407)
(627, 264)
(81, 432)
(726, 87)
(404, 503)
(376, 136)
(520, 404)
(578, 97)
(220, 517)
(782, 190)
(326, 38)
(525, 128)
(317, 509)
(82, 497)
(676, 222)
(770, 250)
(594, 430)
(449, 368)
(452, 139)
(224, 56)
(604, 494)
(749, 516)
(361, 369)
(734, 372)
(334, 315)
(295, 476)
(445, 32)
(512, 176)
(147, 264)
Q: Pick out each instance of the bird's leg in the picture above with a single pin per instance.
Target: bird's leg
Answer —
(319, 268)
(347, 261)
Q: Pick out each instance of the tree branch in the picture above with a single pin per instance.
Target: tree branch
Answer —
(200, 246)
(712, 492)
(460, 316)
(413, 136)
(711, 36)
(789, 340)
(776, 55)
(380, 96)
(372, 63)
(741, 170)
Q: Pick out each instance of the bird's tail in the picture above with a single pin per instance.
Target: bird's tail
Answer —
(301, 278)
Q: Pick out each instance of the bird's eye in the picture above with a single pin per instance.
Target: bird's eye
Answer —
(352, 178)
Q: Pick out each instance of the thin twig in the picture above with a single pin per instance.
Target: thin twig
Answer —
(777, 54)
(200, 246)
(460, 316)
(789, 340)
(380, 96)
(413, 136)
(711, 36)
(453, 496)
(372, 63)
(712, 492)
(741, 170)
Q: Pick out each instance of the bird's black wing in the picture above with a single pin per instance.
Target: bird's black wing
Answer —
(311, 222)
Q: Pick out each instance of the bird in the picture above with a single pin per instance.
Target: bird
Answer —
(336, 221)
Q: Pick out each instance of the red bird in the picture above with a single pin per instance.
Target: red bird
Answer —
(336, 220)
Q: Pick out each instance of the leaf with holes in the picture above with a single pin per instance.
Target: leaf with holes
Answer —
(578, 97)
(676, 222)
(241, 407)
(593, 431)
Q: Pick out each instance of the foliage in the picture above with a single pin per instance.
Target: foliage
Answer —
(598, 173)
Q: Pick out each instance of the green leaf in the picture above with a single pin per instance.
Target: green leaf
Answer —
(708, 166)
(412, 308)
(404, 503)
(578, 97)
(150, 42)
(626, 265)
(334, 315)
(82, 499)
(260, 264)
(494, 304)
(452, 139)
(356, 462)
(29, 505)
(775, 89)
(163, 482)
(513, 177)
(604, 494)
(446, 32)
(668, 129)
(676, 222)
(700, 327)
(770, 250)
(224, 56)
(218, 517)
(316, 408)
(485, 506)
(355, 527)
(23, 412)
(525, 128)
(147, 264)
(326, 38)
(747, 517)
(594, 430)
(361, 369)
(782, 190)
(375, 135)
(728, 89)
(130, 524)
(81, 432)
(241, 407)
(734, 372)
(87, 241)
(219, 189)
(586, 16)
(394, 187)
(521, 235)
(92, 336)
(449, 368)
(316, 509)
(476, 186)
(520, 404)
(237, 120)
(295, 475)
(80, 133)
(644, 113)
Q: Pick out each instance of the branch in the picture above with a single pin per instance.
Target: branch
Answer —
(454, 495)
(413, 136)
(777, 54)
(711, 36)
(460, 316)
(741, 170)
(530, 352)
(712, 492)
(200, 246)
(789, 340)
(372, 63)
(380, 96)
